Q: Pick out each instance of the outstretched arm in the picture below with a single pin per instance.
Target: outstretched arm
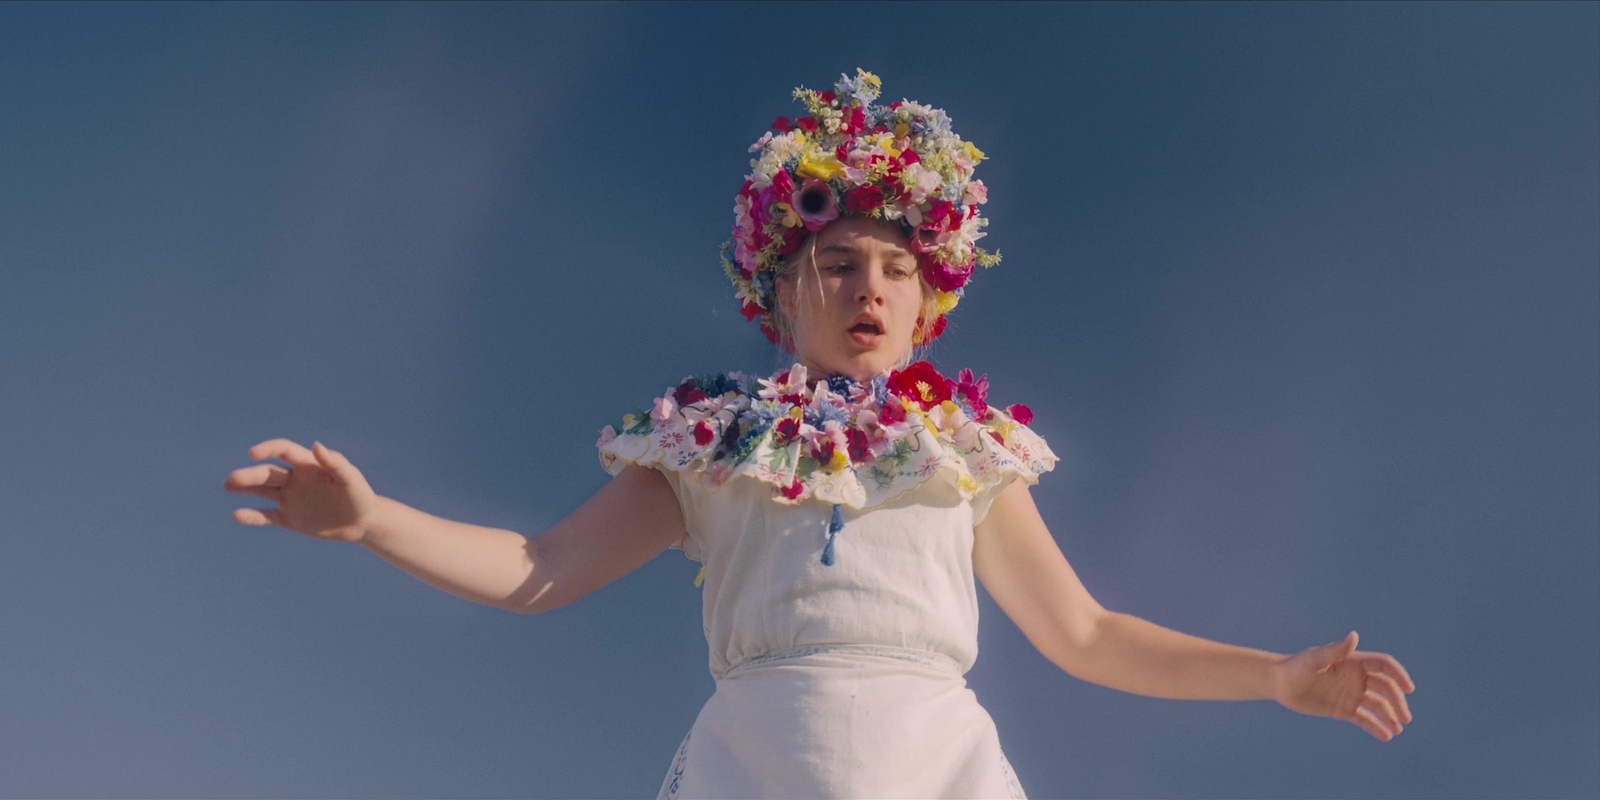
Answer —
(628, 522)
(1021, 566)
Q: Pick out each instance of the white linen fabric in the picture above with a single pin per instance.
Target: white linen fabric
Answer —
(842, 680)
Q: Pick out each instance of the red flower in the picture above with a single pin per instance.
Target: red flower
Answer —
(1021, 413)
(792, 237)
(823, 452)
(828, 96)
(782, 124)
(863, 198)
(852, 121)
(687, 394)
(793, 490)
(782, 186)
(702, 434)
(769, 330)
(891, 413)
(940, 216)
(751, 311)
(785, 431)
(809, 124)
(921, 384)
(937, 330)
(858, 444)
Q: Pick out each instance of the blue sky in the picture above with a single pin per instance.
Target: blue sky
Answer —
(1307, 297)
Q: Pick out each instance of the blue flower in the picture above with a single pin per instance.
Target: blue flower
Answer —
(841, 384)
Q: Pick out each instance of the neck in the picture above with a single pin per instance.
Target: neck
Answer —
(814, 371)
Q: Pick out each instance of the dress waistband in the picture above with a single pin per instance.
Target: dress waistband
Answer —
(926, 658)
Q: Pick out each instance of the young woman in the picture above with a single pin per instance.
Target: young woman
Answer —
(842, 508)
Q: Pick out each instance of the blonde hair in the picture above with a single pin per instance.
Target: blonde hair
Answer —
(792, 269)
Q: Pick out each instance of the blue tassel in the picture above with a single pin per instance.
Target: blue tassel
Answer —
(835, 525)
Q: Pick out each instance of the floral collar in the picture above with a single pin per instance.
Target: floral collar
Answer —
(836, 440)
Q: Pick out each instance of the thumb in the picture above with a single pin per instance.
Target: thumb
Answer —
(334, 461)
(1335, 651)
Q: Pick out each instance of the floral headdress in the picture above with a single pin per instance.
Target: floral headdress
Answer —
(848, 158)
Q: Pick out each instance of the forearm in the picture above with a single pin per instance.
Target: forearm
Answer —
(1138, 656)
(491, 566)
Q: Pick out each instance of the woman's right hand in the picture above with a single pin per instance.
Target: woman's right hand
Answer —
(321, 495)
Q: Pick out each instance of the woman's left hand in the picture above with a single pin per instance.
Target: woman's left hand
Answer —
(1335, 680)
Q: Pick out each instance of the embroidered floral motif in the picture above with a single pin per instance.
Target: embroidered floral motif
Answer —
(833, 440)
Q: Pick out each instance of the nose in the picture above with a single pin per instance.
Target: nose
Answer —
(871, 288)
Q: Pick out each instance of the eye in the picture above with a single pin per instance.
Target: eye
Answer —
(844, 268)
(898, 271)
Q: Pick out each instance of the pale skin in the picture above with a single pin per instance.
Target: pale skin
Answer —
(864, 271)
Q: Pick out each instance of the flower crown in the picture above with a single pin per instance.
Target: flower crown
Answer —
(898, 162)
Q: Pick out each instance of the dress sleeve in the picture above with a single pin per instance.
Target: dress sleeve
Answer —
(1014, 452)
(662, 439)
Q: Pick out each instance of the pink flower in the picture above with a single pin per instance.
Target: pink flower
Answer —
(935, 227)
(944, 276)
(815, 203)
(976, 193)
(664, 409)
(975, 392)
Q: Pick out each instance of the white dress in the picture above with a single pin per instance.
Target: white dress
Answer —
(842, 679)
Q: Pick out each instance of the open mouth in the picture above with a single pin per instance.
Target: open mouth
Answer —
(866, 327)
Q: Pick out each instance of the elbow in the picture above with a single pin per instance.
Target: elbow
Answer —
(1074, 642)
(538, 591)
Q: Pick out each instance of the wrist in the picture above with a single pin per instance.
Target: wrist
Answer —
(376, 524)
(1277, 677)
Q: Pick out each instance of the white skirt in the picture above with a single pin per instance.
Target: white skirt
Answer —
(842, 721)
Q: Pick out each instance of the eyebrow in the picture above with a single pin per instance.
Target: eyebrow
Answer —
(856, 251)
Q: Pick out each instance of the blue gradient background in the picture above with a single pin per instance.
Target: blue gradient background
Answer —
(1307, 297)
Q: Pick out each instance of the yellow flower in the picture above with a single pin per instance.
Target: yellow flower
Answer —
(839, 461)
(790, 218)
(901, 130)
(947, 301)
(972, 151)
(628, 420)
(968, 485)
(1005, 427)
(824, 166)
(701, 578)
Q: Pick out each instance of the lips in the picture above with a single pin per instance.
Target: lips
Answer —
(867, 322)
(867, 331)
